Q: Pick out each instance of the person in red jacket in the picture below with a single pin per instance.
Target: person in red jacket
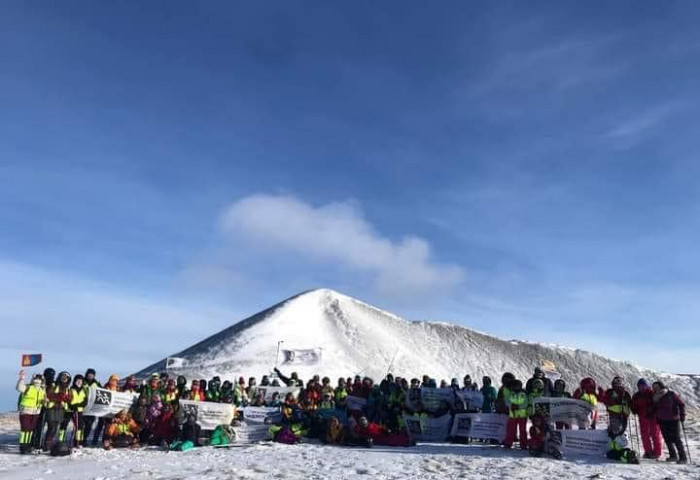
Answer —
(59, 399)
(670, 413)
(649, 430)
(618, 401)
(379, 435)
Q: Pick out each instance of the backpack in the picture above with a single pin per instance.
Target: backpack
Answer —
(60, 449)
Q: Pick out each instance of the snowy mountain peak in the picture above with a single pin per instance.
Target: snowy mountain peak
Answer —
(352, 337)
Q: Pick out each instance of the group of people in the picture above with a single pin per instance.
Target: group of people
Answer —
(49, 403)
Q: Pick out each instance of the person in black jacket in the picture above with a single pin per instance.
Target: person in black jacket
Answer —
(539, 374)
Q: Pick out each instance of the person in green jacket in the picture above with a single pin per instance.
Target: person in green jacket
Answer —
(489, 394)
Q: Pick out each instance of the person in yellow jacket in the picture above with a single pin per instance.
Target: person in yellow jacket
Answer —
(31, 398)
(74, 414)
(517, 415)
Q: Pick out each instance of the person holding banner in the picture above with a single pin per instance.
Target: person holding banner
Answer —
(122, 432)
(31, 401)
(560, 392)
(517, 416)
(587, 393)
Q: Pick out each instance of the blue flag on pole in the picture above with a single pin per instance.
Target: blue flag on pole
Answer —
(29, 360)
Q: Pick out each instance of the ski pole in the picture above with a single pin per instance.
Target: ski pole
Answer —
(687, 446)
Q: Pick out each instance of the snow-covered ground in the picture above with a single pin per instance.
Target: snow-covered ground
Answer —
(315, 461)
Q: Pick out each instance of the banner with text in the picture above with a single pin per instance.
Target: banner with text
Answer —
(480, 425)
(267, 415)
(269, 391)
(430, 399)
(472, 399)
(208, 415)
(106, 403)
(309, 356)
(580, 442)
(425, 429)
(567, 410)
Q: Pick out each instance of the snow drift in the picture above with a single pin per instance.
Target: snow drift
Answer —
(356, 338)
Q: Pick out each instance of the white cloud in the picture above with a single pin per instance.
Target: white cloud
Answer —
(630, 131)
(338, 233)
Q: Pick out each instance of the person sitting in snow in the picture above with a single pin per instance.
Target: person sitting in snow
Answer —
(618, 445)
(337, 434)
(539, 442)
(379, 435)
(122, 432)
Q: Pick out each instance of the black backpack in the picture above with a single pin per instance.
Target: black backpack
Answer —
(60, 449)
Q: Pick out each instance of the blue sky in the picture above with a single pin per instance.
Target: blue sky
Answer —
(525, 169)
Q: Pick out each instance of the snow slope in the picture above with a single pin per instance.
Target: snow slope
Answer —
(315, 461)
(359, 338)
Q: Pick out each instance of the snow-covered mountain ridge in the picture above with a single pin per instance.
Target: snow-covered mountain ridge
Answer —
(357, 338)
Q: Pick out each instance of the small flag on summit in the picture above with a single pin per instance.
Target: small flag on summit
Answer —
(29, 360)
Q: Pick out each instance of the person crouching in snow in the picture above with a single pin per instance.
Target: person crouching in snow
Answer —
(122, 432)
(539, 442)
(618, 445)
(517, 415)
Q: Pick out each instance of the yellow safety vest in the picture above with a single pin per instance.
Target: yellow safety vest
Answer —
(32, 398)
(50, 405)
(519, 400)
(589, 398)
(77, 399)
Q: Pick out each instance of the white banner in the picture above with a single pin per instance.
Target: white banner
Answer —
(356, 404)
(430, 399)
(251, 432)
(106, 403)
(473, 399)
(567, 410)
(580, 442)
(174, 362)
(309, 356)
(426, 429)
(209, 415)
(267, 415)
(268, 391)
(480, 425)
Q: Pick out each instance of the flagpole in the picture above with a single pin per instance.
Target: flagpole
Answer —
(277, 355)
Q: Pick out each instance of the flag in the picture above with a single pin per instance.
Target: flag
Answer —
(310, 356)
(29, 360)
(174, 362)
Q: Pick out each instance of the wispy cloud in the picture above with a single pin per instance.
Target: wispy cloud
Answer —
(338, 233)
(632, 130)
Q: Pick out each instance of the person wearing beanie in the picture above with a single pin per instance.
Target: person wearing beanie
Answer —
(539, 375)
(670, 413)
(74, 413)
(649, 430)
(90, 381)
(37, 440)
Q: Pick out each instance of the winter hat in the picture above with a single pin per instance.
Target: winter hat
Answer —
(538, 371)
(538, 384)
(486, 381)
(241, 381)
(113, 378)
(617, 382)
(78, 377)
(90, 371)
(644, 383)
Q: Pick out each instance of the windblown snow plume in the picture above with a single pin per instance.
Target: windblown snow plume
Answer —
(325, 332)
